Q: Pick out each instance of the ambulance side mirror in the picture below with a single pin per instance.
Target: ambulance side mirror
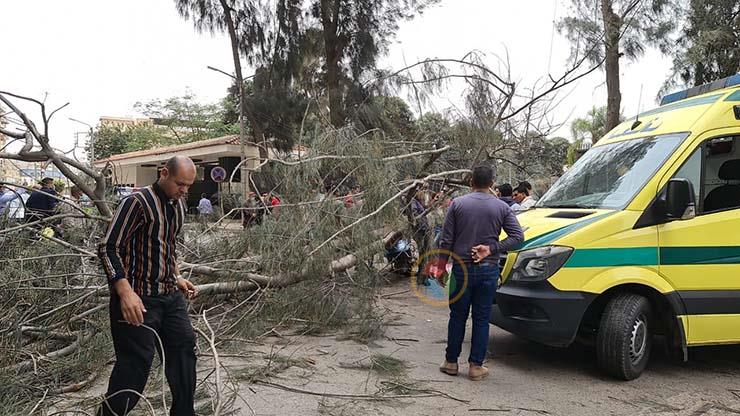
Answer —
(680, 200)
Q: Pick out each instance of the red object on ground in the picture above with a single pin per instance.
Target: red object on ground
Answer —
(348, 201)
(435, 268)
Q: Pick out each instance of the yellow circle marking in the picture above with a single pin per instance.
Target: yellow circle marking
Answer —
(415, 287)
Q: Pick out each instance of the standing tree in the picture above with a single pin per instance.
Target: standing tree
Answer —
(355, 33)
(606, 30)
(238, 18)
(709, 44)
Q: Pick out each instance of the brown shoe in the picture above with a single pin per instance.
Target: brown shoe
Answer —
(477, 372)
(448, 368)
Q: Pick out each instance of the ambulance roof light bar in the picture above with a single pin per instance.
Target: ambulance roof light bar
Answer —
(701, 89)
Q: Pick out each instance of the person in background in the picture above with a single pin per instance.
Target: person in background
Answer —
(16, 209)
(349, 200)
(274, 203)
(42, 204)
(6, 197)
(440, 203)
(265, 198)
(522, 197)
(530, 192)
(254, 212)
(74, 198)
(497, 191)
(471, 231)
(205, 209)
(507, 196)
(421, 223)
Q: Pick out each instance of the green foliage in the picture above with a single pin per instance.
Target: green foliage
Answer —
(555, 155)
(708, 47)
(433, 126)
(277, 108)
(390, 114)
(113, 140)
(175, 120)
(355, 34)
(591, 127)
(572, 153)
(186, 119)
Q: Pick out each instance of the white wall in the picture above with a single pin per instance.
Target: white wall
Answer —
(145, 176)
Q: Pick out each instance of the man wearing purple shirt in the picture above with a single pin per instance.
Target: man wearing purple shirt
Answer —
(471, 231)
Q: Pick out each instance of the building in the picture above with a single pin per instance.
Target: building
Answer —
(107, 121)
(29, 173)
(141, 168)
(6, 169)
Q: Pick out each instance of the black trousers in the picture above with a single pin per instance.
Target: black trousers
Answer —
(135, 347)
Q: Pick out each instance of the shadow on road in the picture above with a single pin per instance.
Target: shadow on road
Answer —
(511, 351)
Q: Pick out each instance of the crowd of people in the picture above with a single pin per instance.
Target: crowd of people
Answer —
(40, 202)
(430, 207)
(520, 198)
(257, 207)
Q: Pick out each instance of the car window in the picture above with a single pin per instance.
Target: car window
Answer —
(691, 170)
(714, 171)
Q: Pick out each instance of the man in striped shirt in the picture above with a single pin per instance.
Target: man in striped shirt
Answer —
(147, 292)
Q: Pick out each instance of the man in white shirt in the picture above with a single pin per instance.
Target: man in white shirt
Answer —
(16, 207)
(204, 206)
(6, 196)
(522, 197)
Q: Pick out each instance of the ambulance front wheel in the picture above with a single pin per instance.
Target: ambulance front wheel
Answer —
(624, 339)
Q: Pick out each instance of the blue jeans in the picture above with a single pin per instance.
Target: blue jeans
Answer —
(478, 294)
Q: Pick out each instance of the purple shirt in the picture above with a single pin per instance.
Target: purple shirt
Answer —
(478, 218)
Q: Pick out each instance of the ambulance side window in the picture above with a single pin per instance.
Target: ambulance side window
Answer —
(691, 170)
(714, 172)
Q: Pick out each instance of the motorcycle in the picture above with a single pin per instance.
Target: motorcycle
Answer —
(402, 256)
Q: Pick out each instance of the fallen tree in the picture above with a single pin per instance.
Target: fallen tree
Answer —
(313, 268)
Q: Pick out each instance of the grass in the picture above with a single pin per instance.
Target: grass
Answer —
(276, 364)
(387, 366)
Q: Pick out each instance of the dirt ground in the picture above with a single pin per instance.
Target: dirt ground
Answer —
(526, 378)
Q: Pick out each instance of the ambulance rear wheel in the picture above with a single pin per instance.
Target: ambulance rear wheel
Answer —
(624, 339)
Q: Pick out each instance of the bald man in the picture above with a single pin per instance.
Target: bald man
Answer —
(147, 292)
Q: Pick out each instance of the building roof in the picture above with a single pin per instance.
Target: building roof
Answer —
(218, 141)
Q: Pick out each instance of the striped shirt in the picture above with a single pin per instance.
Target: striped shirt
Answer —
(140, 242)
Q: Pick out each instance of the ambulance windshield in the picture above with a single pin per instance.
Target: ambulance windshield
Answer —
(609, 176)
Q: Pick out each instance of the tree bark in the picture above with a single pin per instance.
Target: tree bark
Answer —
(243, 108)
(252, 281)
(612, 26)
(333, 50)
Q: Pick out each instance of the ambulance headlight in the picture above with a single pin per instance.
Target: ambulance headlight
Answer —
(539, 263)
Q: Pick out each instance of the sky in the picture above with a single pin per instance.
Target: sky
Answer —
(103, 56)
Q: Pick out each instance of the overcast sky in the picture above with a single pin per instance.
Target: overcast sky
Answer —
(102, 56)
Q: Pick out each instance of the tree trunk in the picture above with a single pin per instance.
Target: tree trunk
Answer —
(612, 26)
(243, 108)
(333, 51)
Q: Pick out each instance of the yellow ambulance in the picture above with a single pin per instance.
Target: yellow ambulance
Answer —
(640, 237)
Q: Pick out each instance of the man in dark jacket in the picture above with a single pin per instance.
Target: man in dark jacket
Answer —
(41, 203)
(507, 196)
(470, 234)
